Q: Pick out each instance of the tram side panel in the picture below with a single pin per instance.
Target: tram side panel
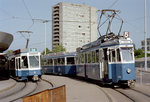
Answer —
(65, 70)
(81, 70)
(93, 71)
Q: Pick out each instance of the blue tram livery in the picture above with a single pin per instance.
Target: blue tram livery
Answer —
(59, 63)
(25, 64)
(111, 57)
(111, 61)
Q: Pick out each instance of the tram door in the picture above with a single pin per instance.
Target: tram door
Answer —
(101, 64)
(17, 64)
(105, 63)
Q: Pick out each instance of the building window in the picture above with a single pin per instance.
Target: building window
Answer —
(79, 26)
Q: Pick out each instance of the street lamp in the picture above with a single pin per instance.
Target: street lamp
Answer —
(145, 34)
(45, 22)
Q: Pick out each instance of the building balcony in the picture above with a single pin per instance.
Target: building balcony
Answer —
(55, 14)
(56, 7)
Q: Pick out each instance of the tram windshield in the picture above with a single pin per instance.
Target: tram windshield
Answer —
(127, 54)
(34, 61)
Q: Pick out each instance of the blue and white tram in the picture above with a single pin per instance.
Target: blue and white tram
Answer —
(111, 61)
(25, 64)
(59, 63)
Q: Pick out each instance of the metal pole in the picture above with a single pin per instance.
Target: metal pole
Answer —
(145, 34)
(45, 38)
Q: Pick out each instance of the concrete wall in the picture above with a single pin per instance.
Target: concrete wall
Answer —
(78, 25)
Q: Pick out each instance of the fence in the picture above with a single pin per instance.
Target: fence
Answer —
(57, 94)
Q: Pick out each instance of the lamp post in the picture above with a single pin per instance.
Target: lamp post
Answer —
(45, 22)
(145, 34)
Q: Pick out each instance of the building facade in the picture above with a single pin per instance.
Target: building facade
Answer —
(73, 25)
(143, 44)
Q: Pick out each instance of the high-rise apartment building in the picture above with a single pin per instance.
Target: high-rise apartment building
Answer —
(73, 25)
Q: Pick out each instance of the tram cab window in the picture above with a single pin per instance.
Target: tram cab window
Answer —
(24, 62)
(127, 54)
(34, 61)
(70, 60)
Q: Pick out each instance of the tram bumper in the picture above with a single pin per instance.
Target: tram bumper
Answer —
(35, 78)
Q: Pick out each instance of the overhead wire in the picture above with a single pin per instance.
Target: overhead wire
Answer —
(113, 4)
(28, 14)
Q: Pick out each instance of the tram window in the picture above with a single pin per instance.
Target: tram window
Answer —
(78, 59)
(58, 61)
(43, 62)
(86, 55)
(118, 55)
(49, 62)
(89, 57)
(127, 54)
(70, 60)
(82, 58)
(62, 61)
(24, 62)
(113, 56)
(97, 56)
(34, 61)
(93, 56)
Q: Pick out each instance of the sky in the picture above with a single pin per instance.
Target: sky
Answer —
(17, 15)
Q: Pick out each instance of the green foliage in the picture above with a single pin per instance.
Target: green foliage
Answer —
(9, 51)
(47, 51)
(140, 53)
(57, 48)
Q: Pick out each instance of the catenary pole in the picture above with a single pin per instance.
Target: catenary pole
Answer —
(145, 33)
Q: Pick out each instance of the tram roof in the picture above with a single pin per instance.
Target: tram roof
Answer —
(113, 42)
(59, 55)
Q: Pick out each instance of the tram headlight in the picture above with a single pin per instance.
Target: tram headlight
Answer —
(128, 70)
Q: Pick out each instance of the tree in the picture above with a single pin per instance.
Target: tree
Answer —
(47, 51)
(9, 51)
(58, 48)
(139, 53)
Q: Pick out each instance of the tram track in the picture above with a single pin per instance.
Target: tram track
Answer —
(22, 92)
(52, 84)
(8, 93)
(134, 95)
(110, 98)
(26, 94)
(125, 95)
